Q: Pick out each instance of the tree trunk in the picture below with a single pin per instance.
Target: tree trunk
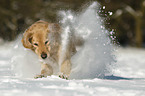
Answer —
(139, 38)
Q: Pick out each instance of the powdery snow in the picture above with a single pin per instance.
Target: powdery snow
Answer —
(130, 63)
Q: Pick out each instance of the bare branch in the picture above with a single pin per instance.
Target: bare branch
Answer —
(131, 11)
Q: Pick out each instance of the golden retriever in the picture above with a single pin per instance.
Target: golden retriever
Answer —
(45, 40)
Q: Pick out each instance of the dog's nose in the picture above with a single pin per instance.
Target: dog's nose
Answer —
(44, 55)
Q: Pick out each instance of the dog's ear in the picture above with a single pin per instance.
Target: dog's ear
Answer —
(53, 27)
(27, 40)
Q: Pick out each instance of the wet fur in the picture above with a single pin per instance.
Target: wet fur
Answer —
(39, 33)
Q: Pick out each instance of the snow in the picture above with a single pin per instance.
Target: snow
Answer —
(130, 63)
(134, 60)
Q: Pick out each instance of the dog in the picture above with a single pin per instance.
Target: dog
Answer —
(45, 40)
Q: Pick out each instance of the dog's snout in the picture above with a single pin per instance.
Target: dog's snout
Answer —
(43, 55)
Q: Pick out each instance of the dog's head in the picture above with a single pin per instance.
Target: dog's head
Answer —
(39, 36)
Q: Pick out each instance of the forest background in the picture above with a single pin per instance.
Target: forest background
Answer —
(127, 19)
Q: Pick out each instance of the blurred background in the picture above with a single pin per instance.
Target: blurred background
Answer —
(126, 18)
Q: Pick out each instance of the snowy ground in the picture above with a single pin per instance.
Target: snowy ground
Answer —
(130, 64)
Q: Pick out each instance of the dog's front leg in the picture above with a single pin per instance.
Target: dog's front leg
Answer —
(46, 70)
(65, 69)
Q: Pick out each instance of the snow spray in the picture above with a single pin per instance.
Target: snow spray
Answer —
(24, 62)
(95, 57)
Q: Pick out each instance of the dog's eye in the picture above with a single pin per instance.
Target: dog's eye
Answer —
(35, 44)
(46, 42)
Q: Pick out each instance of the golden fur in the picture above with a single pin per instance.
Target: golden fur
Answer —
(45, 40)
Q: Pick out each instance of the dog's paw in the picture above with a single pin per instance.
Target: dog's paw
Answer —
(63, 76)
(39, 76)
